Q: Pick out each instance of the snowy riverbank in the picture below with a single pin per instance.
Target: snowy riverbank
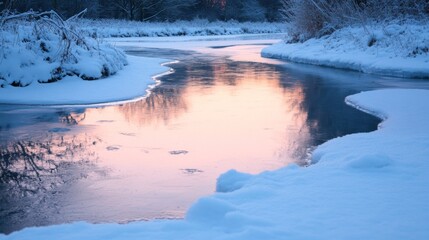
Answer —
(44, 60)
(123, 28)
(395, 49)
(130, 83)
(44, 48)
(363, 186)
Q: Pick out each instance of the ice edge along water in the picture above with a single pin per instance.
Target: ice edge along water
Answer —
(130, 84)
(362, 186)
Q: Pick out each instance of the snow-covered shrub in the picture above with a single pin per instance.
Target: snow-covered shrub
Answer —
(42, 47)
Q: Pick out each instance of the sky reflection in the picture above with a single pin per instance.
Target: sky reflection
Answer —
(154, 157)
(175, 143)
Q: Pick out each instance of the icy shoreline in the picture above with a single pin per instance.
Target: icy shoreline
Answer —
(397, 50)
(366, 185)
(131, 83)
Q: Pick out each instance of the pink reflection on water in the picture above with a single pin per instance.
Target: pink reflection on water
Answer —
(162, 153)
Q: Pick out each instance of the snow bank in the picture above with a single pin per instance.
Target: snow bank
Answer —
(132, 82)
(124, 28)
(42, 48)
(395, 49)
(363, 186)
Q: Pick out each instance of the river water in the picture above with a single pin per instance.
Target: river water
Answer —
(222, 108)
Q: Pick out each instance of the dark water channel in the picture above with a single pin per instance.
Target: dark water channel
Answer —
(152, 158)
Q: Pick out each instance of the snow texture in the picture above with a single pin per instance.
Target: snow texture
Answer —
(198, 27)
(393, 49)
(49, 49)
(131, 83)
(361, 186)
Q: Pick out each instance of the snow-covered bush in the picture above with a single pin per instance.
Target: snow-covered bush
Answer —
(42, 47)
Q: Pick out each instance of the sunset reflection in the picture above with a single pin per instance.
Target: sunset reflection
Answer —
(250, 119)
(153, 158)
(160, 106)
(175, 143)
(243, 99)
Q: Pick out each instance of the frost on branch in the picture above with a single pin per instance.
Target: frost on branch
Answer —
(44, 48)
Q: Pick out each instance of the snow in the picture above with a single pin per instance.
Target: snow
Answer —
(198, 27)
(361, 186)
(231, 181)
(39, 51)
(399, 49)
(131, 83)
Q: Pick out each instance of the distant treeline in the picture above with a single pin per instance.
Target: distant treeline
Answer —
(156, 10)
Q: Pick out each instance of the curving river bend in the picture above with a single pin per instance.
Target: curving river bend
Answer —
(223, 108)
